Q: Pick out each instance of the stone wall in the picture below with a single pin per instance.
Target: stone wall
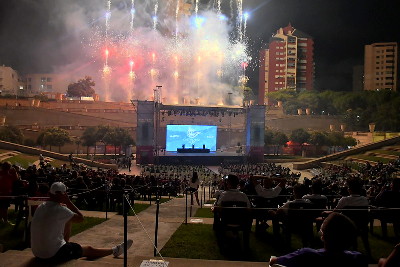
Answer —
(54, 155)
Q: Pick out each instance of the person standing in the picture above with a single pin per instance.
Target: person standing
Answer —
(129, 163)
(194, 184)
(8, 176)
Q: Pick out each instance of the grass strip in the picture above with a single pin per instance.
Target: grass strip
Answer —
(199, 241)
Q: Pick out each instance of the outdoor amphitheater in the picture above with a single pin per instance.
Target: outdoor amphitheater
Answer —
(149, 202)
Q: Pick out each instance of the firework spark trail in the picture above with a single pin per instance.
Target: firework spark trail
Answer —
(240, 19)
(155, 16)
(106, 68)
(196, 9)
(132, 14)
(176, 20)
(219, 7)
(246, 16)
(176, 48)
(108, 15)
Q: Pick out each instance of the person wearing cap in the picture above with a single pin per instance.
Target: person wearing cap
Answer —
(51, 230)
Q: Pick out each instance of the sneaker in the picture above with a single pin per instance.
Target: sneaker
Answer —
(119, 249)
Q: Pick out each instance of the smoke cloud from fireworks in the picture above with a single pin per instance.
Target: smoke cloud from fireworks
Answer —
(196, 59)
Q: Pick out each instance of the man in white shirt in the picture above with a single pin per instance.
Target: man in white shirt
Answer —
(355, 199)
(232, 193)
(267, 191)
(51, 230)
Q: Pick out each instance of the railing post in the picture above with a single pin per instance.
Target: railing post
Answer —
(125, 214)
(156, 230)
(201, 196)
(186, 206)
(204, 195)
(107, 200)
(191, 203)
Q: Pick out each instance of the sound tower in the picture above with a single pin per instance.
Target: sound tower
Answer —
(145, 132)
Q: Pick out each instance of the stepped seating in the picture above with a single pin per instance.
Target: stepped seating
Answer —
(363, 161)
(9, 154)
(381, 155)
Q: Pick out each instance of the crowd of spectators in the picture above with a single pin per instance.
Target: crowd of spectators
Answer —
(335, 186)
(88, 186)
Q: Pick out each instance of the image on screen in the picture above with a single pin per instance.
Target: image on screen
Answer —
(188, 135)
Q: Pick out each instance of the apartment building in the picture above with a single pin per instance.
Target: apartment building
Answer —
(287, 63)
(381, 66)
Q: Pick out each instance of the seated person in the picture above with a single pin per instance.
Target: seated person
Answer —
(389, 198)
(281, 214)
(354, 187)
(51, 230)
(232, 192)
(267, 191)
(298, 193)
(316, 197)
(337, 234)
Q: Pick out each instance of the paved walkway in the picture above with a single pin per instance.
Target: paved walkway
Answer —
(141, 228)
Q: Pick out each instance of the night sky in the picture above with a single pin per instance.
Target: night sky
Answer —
(36, 37)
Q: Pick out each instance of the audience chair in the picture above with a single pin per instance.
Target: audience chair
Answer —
(360, 216)
(233, 216)
(299, 220)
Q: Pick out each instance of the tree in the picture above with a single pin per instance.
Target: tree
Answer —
(11, 134)
(119, 137)
(280, 139)
(101, 133)
(318, 138)
(83, 87)
(89, 138)
(337, 139)
(54, 137)
(78, 142)
(276, 139)
(268, 137)
(300, 136)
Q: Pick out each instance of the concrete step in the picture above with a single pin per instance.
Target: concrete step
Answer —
(25, 259)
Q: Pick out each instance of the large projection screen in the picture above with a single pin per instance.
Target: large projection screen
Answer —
(189, 135)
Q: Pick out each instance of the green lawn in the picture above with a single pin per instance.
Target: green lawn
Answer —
(198, 241)
(23, 160)
(204, 213)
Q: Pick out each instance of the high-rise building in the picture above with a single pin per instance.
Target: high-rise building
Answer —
(381, 66)
(287, 63)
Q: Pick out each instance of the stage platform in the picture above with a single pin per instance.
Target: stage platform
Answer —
(211, 158)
